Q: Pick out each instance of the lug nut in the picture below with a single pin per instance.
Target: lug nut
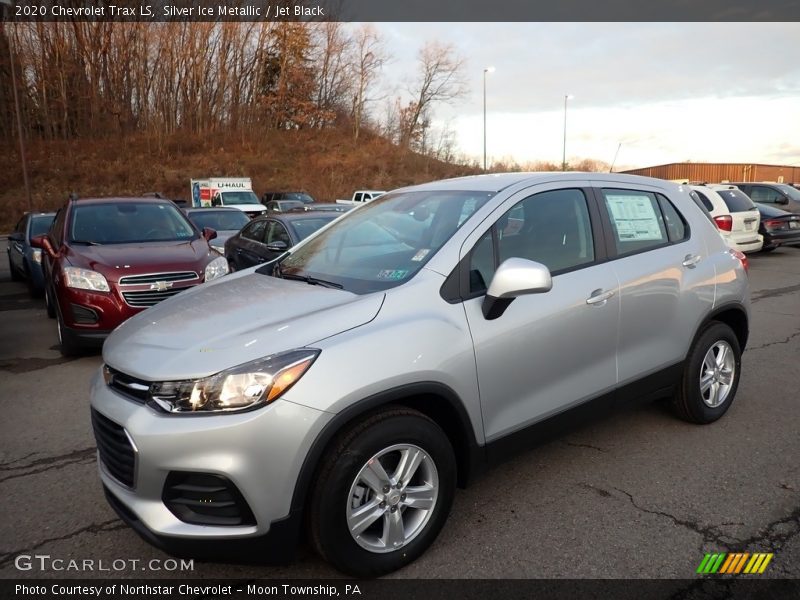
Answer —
(382, 504)
(402, 497)
(399, 485)
(386, 489)
(394, 509)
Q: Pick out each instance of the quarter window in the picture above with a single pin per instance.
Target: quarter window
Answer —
(676, 226)
(552, 228)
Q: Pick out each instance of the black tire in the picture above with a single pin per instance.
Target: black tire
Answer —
(769, 249)
(69, 345)
(48, 302)
(337, 474)
(14, 275)
(689, 402)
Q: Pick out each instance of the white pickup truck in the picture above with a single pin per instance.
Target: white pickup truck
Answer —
(362, 196)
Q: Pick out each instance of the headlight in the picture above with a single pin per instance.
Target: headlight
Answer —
(84, 279)
(37, 255)
(249, 385)
(216, 268)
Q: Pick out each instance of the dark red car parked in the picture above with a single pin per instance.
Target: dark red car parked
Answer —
(106, 259)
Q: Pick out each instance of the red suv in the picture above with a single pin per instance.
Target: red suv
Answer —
(106, 259)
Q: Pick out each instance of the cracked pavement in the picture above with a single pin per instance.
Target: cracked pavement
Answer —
(637, 494)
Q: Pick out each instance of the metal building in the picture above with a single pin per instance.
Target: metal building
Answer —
(719, 172)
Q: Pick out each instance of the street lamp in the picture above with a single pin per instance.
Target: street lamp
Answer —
(16, 107)
(485, 71)
(564, 154)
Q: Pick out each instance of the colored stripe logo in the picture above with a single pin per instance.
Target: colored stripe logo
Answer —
(734, 563)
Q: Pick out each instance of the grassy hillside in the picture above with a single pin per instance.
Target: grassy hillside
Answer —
(328, 164)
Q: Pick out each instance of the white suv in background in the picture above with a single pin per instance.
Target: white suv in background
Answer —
(736, 216)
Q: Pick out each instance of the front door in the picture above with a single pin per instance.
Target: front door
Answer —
(549, 351)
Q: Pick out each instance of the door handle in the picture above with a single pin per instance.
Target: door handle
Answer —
(691, 260)
(599, 297)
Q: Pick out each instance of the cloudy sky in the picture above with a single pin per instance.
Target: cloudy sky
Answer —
(668, 92)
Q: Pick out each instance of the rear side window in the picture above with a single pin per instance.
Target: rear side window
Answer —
(636, 219)
(736, 200)
(704, 200)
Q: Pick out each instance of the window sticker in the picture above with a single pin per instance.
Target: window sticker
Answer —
(420, 255)
(635, 218)
(392, 274)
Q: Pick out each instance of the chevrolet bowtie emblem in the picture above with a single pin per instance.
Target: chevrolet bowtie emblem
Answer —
(161, 286)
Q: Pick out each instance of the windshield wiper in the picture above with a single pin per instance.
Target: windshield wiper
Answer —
(86, 242)
(312, 280)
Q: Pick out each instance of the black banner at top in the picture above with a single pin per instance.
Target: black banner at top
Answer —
(403, 10)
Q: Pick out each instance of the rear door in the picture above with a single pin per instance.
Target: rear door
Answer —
(547, 351)
(666, 280)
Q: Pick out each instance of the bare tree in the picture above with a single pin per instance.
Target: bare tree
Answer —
(440, 81)
(370, 58)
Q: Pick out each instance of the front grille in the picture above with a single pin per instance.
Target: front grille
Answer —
(154, 277)
(149, 297)
(115, 448)
(205, 499)
(135, 389)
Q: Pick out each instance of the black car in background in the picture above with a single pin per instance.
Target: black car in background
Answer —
(226, 221)
(779, 228)
(266, 238)
(298, 196)
(780, 195)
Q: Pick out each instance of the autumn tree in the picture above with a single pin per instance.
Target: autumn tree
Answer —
(440, 80)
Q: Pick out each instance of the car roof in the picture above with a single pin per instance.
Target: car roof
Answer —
(300, 215)
(496, 182)
(123, 200)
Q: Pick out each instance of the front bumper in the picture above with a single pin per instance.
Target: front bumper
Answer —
(261, 452)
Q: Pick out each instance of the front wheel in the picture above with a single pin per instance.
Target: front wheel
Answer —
(49, 302)
(383, 493)
(710, 376)
(14, 275)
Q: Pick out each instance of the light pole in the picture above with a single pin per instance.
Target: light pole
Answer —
(16, 108)
(485, 71)
(564, 153)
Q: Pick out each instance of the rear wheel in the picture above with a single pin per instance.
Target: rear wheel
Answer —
(383, 493)
(710, 376)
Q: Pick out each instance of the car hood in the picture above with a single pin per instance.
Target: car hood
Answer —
(118, 260)
(231, 321)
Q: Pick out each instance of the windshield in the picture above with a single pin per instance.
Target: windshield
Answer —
(384, 243)
(305, 227)
(221, 220)
(790, 191)
(41, 225)
(247, 197)
(129, 222)
(304, 198)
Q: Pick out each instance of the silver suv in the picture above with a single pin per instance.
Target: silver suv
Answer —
(351, 384)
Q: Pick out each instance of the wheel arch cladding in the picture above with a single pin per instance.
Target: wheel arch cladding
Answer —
(735, 317)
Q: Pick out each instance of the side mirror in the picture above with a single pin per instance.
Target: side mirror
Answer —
(515, 277)
(209, 233)
(278, 246)
(41, 241)
(781, 200)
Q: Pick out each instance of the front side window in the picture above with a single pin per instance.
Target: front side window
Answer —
(552, 228)
(128, 222)
(791, 192)
(385, 242)
(277, 233)
(255, 231)
(636, 220)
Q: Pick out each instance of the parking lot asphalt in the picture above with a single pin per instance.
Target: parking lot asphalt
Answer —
(639, 494)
